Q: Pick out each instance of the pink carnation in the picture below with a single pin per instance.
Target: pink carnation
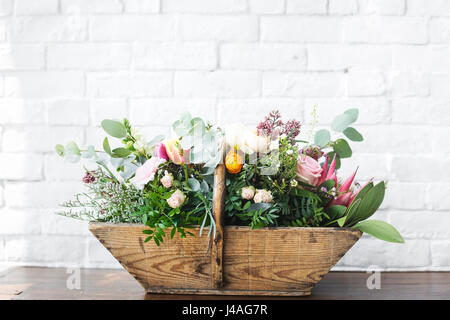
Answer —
(247, 193)
(176, 199)
(167, 180)
(263, 196)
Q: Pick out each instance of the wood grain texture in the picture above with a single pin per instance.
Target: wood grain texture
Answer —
(217, 242)
(275, 261)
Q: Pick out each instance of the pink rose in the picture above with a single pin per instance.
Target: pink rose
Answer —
(160, 151)
(308, 170)
(263, 196)
(146, 172)
(247, 193)
(167, 180)
(176, 199)
(175, 153)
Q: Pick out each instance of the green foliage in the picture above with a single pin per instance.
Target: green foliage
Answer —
(353, 134)
(381, 230)
(114, 128)
(322, 137)
(342, 148)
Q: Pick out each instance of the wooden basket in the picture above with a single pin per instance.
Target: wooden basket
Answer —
(239, 261)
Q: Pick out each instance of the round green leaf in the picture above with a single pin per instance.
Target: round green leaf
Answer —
(342, 148)
(121, 152)
(60, 150)
(381, 230)
(114, 128)
(193, 184)
(106, 146)
(342, 121)
(72, 148)
(322, 137)
(353, 134)
(353, 113)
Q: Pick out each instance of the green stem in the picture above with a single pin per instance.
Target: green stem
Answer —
(186, 175)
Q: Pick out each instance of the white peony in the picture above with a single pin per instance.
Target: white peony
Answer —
(246, 139)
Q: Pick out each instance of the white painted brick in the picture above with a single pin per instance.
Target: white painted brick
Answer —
(439, 85)
(371, 110)
(409, 84)
(6, 7)
(132, 28)
(54, 224)
(365, 83)
(107, 109)
(204, 6)
(328, 57)
(428, 7)
(440, 30)
(410, 169)
(225, 28)
(421, 224)
(370, 166)
(407, 58)
(91, 6)
(55, 249)
(39, 194)
(17, 57)
(379, 29)
(229, 84)
(68, 112)
(276, 84)
(301, 29)
(439, 251)
(129, 84)
(343, 6)
(88, 56)
(44, 84)
(19, 111)
(260, 56)
(421, 111)
(405, 196)
(438, 196)
(49, 28)
(227, 109)
(30, 7)
(306, 6)
(370, 251)
(179, 56)
(2, 31)
(17, 222)
(393, 139)
(267, 6)
(142, 6)
(439, 136)
(15, 166)
(2, 202)
(38, 138)
(153, 112)
(439, 59)
(383, 7)
(58, 169)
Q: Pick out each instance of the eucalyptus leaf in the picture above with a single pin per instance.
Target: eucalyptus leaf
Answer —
(72, 148)
(204, 186)
(89, 153)
(341, 122)
(259, 206)
(121, 152)
(353, 134)
(194, 184)
(353, 113)
(342, 148)
(114, 128)
(322, 137)
(381, 230)
(60, 150)
(106, 146)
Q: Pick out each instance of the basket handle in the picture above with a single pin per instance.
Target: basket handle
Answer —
(218, 212)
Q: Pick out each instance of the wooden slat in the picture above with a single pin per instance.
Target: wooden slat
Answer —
(217, 242)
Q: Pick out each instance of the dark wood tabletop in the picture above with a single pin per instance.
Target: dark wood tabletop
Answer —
(52, 283)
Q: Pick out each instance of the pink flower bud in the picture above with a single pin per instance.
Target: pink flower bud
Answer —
(167, 180)
(263, 196)
(248, 193)
(176, 200)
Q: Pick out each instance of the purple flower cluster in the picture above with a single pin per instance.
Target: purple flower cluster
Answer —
(88, 178)
(314, 152)
(273, 126)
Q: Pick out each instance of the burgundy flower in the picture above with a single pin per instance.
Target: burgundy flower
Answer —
(88, 178)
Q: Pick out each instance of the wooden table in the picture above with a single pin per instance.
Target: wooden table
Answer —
(50, 283)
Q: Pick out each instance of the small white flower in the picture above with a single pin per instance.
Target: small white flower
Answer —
(294, 183)
(289, 152)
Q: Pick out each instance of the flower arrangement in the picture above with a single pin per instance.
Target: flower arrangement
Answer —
(273, 178)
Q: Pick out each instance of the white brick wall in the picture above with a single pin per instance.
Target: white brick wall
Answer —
(67, 64)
